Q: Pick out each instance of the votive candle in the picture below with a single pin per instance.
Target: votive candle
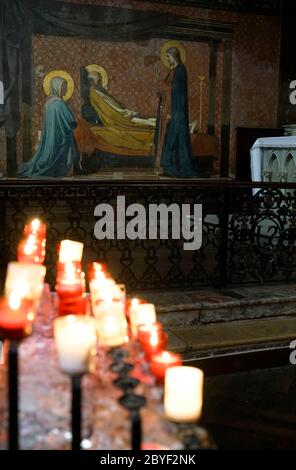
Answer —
(16, 317)
(31, 250)
(70, 289)
(112, 331)
(183, 394)
(70, 251)
(35, 227)
(160, 362)
(141, 314)
(75, 338)
(27, 279)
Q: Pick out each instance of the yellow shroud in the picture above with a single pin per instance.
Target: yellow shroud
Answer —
(119, 134)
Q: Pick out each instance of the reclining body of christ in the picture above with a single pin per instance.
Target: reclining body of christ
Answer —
(112, 127)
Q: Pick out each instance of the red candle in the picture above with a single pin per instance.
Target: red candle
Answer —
(35, 227)
(95, 270)
(31, 250)
(162, 361)
(16, 317)
(157, 342)
(145, 331)
(70, 289)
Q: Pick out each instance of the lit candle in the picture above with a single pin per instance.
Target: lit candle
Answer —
(183, 394)
(162, 361)
(106, 307)
(145, 331)
(111, 322)
(75, 339)
(95, 269)
(157, 342)
(26, 279)
(70, 251)
(70, 289)
(102, 288)
(31, 250)
(112, 331)
(15, 317)
(141, 314)
(35, 227)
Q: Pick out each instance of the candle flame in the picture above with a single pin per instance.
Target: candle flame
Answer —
(30, 316)
(35, 224)
(97, 269)
(30, 245)
(154, 337)
(14, 300)
(135, 302)
(166, 356)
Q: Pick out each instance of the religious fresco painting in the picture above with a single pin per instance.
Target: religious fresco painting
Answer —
(149, 92)
(109, 134)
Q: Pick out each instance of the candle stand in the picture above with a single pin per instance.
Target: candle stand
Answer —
(189, 436)
(76, 411)
(133, 403)
(13, 425)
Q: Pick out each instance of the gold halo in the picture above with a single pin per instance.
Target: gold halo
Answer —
(167, 46)
(101, 71)
(62, 74)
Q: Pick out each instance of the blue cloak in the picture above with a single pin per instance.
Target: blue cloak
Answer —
(176, 158)
(57, 152)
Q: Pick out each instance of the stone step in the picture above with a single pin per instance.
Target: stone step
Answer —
(233, 336)
(186, 308)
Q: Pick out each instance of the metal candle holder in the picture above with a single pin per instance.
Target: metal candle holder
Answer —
(188, 435)
(133, 403)
(126, 383)
(13, 425)
(76, 411)
(122, 368)
(118, 354)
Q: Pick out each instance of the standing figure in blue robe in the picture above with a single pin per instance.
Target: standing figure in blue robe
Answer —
(57, 152)
(172, 138)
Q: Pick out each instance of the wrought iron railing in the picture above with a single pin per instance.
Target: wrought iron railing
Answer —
(246, 237)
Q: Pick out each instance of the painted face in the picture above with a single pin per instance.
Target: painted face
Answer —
(64, 88)
(171, 59)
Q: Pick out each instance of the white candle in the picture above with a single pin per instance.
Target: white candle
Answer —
(183, 394)
(141, 314)
(70, 251)
(103, 308)
(112, 331)
(75, 338)
(25, 278)
(101, 288)
(111, 323)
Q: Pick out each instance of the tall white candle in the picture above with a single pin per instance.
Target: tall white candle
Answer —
(75, 338)
(183, 394)
(70, 251)
(111, 323)
(141, 314)
(112, 331)
(25, 278)
(103, 308)
(101, 288)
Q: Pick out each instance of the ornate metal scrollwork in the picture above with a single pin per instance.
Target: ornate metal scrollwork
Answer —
(246, 238)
